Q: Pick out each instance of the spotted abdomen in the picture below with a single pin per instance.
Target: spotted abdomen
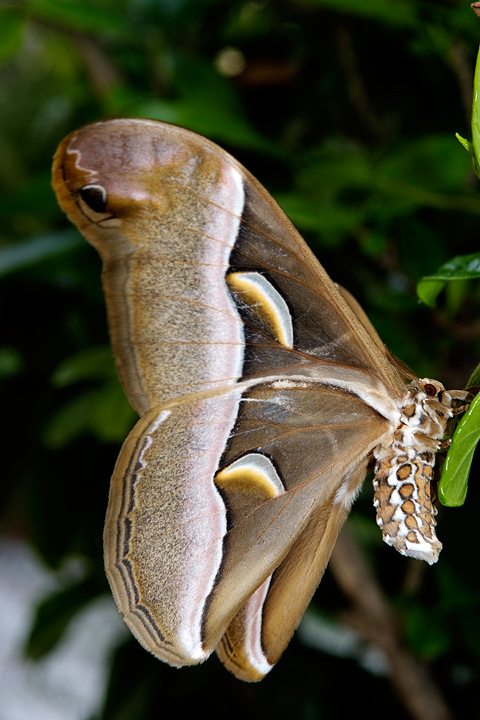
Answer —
(405, 509)
(404, 472)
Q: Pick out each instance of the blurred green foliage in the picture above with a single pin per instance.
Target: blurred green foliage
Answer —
(346, 112)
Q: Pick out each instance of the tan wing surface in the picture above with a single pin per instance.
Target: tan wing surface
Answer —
(186, 546)
(263, 393)
(178, 214)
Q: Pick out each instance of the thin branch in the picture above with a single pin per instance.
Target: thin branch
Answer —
(373, 619)
(354, 83)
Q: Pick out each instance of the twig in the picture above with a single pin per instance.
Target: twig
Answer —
(373, 619)
(354, 82)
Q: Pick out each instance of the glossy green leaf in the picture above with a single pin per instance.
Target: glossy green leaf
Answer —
(470, 149)
(476, 115)
(428, 291)
(474, 379)
(461, 267)
(473, 148)
(452, 489)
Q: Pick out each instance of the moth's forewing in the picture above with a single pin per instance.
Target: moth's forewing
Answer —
(264, 393)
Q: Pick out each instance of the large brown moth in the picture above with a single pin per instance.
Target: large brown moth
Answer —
(264, 394)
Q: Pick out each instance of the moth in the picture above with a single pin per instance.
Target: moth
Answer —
(265, 395)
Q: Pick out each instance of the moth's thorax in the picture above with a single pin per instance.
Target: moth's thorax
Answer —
(404, 471)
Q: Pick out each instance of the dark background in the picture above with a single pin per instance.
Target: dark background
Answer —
(346, 112)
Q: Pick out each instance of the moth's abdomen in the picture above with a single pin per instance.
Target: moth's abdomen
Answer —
(404, 472)
(405, 509)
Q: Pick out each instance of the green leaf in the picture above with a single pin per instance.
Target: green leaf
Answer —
(461, 267)
(71, 420)
(93, 363)
(113, 416)
(105, 412)
(474, 378)
(53, 616)
(428, 165)
(452, 489)
(334, 220)
(476, 115)
(474, 147)
(466, 144)
(428, 290)
(471, 150)
(19, 256)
